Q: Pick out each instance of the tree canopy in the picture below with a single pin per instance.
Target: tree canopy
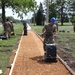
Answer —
(40, 17)
(61, 9)
(19, 6)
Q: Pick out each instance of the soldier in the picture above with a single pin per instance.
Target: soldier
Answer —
(25, 28)
(7, 28)
(49, 30)
(12, 28)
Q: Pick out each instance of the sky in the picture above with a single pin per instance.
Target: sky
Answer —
(29, 15)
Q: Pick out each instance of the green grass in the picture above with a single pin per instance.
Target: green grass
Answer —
(1, 29)
(66, 24)
(38, 29)
(7, 46)
(73, 54)
(4, 61)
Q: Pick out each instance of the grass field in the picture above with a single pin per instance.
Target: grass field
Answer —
(7, 46)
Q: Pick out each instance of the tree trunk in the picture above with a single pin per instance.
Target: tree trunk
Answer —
(3, 12)
(61, 20)
(62, 14)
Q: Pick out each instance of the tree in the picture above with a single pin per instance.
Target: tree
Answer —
(0, 17)
(60, 8)
(52, 10)
(73, 7)
(40, 17)
(73, 18)
(18, 6)
(13, 20)
(65, 8)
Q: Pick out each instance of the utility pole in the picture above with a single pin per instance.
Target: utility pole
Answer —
(34, 17)
(47, 12)
(34, 14)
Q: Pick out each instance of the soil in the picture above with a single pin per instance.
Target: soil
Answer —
(30, 59)
(65, 52)
(68, 59)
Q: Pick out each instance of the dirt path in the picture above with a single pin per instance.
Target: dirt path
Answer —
(30, 59)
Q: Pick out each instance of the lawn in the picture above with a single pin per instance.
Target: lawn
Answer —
(7, 46)
(38, 29)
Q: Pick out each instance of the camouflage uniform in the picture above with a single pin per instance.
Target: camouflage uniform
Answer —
(7, 29)
(49, 30)
(49, 33)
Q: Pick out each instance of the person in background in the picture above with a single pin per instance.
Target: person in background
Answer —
(49, 30)
(25, 28)
(7, 28)
(73, 26)
(12, 28)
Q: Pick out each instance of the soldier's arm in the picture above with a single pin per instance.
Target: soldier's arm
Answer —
(55, 29)
(43, 30)
(10, 25)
